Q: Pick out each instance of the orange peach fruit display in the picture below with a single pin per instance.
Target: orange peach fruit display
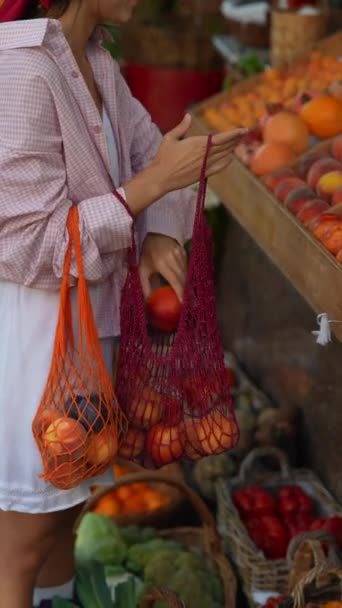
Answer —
(133, 499)
(311, 190)
(278, 87)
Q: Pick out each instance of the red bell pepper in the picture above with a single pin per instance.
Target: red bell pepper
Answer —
(270, 535)
(291, 501)
(253, 502)
(333, 525)
(298, 522)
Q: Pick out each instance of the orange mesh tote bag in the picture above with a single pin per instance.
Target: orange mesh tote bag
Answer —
(78, 422)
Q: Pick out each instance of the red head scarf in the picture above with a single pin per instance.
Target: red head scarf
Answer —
(12, 9)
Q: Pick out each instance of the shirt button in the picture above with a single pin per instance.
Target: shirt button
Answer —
(74, 74)
(97, 129)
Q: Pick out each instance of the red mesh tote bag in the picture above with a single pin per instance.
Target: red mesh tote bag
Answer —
(171, 381)
(78, 421)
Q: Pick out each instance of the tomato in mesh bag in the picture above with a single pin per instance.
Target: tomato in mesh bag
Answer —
(78, 423)
(171, 380)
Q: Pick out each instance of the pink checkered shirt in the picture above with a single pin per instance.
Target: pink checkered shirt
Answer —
(53, 153)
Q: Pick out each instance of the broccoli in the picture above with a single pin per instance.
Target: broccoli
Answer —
(188, 575)
(138, 555)
(133, 535)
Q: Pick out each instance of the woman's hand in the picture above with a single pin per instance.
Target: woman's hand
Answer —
(163, 255)
(180, 159)
(178, 164)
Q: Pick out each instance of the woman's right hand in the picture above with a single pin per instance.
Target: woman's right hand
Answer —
(179, 159)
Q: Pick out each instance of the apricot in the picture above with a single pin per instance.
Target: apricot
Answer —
(312, 210)
(287, 186)
(297, 199)
(329, 183)
(46, 417)
(272, 180)
(165, 443)
(146, 409)
(336, 148)
(103, 448)
(337, 196)
(321, 167)
(65, 436)
(192, 446)
(132, 444)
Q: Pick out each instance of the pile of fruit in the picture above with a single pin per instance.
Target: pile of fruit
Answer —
(272, 520)
(133, 499)
(287, 88)
(312, 191)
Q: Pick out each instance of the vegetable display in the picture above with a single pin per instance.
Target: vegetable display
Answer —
(272, 520)
(117, 567)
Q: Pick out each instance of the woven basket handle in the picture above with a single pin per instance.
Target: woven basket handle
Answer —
(259, 453)
(155, 595)
(315, 539)
(211, 537)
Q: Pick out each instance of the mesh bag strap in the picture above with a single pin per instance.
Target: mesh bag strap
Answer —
(199, 216)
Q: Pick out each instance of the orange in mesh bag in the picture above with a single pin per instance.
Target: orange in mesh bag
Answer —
(78, 422)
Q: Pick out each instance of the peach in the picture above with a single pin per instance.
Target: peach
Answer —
(213, 433)
(323, 223)
(132, 444)
(332, 239)
(165, 443)
(319, 168)
(146, 409)
(339, 256)
(329, 183)
(103, 448)
(45, 418)
(336, 148)
(304, 164)
(297, 199)
(312, 210)
(65, 436)
(272, 180)
(192, 448)
(337, 196)
(288, 185)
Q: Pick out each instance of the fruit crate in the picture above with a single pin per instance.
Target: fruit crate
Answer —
(310, 268)
(206, 117)
(261, 576)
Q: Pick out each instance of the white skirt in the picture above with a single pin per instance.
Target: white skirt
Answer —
(28, 324)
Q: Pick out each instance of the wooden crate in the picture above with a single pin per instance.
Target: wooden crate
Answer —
(332, 45)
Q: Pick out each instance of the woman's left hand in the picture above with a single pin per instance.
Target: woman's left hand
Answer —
(163, 255)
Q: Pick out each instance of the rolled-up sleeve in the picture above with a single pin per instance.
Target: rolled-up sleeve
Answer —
(172, 215)
(34, 201)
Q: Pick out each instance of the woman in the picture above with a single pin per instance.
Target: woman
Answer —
(69, 130)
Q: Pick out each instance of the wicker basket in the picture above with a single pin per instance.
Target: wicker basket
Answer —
(257, 573)
(292, 33)
(320, 585)
(156, 595)
(204, 539)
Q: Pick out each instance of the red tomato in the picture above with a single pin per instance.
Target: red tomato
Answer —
(163, 309)
(253, 501)
(291, 500)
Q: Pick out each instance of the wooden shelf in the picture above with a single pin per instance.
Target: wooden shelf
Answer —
(310, 268)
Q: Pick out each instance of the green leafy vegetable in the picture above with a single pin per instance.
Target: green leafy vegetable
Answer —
(134, 534)
(138, 555)
(91, 586)
(126, 594)
(99, 539)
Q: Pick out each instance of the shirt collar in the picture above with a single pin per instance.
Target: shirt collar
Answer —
(38, 32)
